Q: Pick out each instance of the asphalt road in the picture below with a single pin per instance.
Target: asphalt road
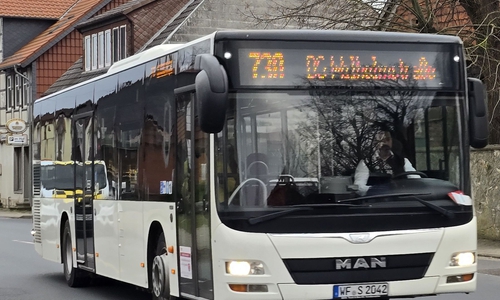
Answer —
(24, 275)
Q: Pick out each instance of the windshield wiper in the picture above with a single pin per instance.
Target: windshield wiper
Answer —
(373, 197)
(295, 208)
(428, 204)
(443, 211)
(308, 207)
(275, 215)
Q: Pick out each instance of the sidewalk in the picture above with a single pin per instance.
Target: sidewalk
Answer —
(485, 248)
(11, 213)
(488, 248)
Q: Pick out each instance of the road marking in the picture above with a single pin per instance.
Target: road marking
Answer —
(23, 242)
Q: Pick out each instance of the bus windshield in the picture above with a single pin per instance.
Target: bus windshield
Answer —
(307, 148)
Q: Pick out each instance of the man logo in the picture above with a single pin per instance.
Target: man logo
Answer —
(360, 238)
(360, 263)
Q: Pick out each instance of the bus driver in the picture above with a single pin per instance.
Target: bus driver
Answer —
(386, 160)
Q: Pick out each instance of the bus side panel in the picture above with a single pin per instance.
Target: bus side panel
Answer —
(106, 238)
(132, 248)
(164, 213)
(51, 211)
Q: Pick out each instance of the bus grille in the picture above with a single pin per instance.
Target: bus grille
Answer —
(358, 269)
(36, 179)
(36, 220)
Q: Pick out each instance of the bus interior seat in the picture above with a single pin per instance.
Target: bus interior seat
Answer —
(257, 165)
(256, 168)
(285, 192)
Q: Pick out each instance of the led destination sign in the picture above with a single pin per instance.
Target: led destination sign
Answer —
(291, 67)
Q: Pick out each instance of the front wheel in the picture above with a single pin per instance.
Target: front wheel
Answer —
(74, 277)
(160, 272)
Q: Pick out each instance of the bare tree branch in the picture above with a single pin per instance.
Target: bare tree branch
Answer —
(477, 22)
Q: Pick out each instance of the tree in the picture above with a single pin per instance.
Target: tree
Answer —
(477, 22)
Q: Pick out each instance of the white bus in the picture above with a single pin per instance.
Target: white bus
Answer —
(231, 166)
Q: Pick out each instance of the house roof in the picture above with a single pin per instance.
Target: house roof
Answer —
(35, 9)
(117, 11)
(173, 25)
(74, 75)
(81, 10)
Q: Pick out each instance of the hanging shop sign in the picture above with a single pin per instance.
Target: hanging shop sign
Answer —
(17, 140)
(16, 126)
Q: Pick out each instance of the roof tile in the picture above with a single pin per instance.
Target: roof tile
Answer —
(173, 25)
(111, 13)
(37, 9)
(52, 34)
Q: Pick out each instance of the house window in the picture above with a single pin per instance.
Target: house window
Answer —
(100, 49)
(10, 93)
(119, 43)
(87, 53)
(94, 51)
(116, 42)
(107, 47)
(18, 86)
(25, 91)
(18, 169)
(123, 44)
(3, 104)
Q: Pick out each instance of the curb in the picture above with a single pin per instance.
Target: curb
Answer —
(10, 214)
(489, 255)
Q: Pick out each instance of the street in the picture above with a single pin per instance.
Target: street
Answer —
(24, 275)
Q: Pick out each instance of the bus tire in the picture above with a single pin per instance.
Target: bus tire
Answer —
(74, 277)
(160, 271)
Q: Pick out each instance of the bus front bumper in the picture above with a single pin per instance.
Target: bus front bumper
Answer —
(425, 287)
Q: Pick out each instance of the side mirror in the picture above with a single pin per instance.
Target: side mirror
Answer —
(478, 116)
(211, 92)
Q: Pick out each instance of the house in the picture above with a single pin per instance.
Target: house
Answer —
(82, 41)
(38, 43)
(114, 35)
(149, 23)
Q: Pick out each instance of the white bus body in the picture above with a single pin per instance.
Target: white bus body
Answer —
(215, 249)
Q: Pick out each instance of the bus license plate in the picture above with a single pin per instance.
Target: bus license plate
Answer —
(353, 291)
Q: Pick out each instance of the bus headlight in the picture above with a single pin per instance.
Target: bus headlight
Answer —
(463, 259)
(241, 268)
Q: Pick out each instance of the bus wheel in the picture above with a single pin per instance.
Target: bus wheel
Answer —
(159, 272)
(74, 277)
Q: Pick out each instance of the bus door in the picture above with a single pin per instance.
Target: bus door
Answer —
(83, 157)
(192, 196)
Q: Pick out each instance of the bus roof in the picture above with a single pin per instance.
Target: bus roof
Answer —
(274, 35)
(335, 35)
(134, 60)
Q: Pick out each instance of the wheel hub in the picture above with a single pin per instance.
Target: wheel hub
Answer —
(160, 276)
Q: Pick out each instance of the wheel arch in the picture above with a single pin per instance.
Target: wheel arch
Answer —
(64, 218)
(155, 230)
